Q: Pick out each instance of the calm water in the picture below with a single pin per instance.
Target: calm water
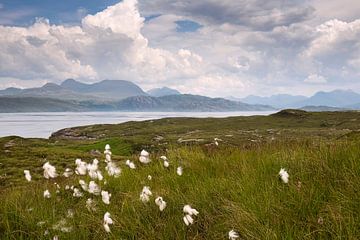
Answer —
(41, 125)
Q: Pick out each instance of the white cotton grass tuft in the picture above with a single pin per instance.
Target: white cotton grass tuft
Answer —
(189, 211)
(161, 203)
(81, 167)
(83, 185)
(145, 194)
(284, 176)
(113, 170)
(130, 164)
(49, 171)
(90, 205)
(144, 157)
(105, 195)
(47, 194)
(77, 193)
(149, 177)
(27, 175)
(107, 221)
(93, 170)
(63, 226)
(70, 213)
(68, 172)
(233, 235)
(188, 220)
(94, 188)
(166, 161)
(179, 171)
(107, 153)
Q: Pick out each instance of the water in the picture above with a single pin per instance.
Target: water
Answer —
(41, 125)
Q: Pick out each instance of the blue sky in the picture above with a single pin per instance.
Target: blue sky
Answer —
(209, 47)
(65, 11)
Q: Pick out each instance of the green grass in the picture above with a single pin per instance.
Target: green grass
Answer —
(233, 186)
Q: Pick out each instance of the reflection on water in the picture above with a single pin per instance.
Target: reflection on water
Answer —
(43, 124)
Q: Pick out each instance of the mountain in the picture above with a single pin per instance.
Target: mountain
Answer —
(184, 102)
(70, 89)
(10, 91)
(107, 89)
(49, 90)
(336, 98)
(277, 101)
(164, 91)
(342, 99)
(32, 104)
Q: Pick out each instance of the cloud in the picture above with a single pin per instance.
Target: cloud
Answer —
(108, 45)
(241, 48)
(258, 14)
(315, 78)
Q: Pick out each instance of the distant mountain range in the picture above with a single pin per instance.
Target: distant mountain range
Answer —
(121, 95)
(164, 91)
(334, 100)
(112, 95)
(70, 89)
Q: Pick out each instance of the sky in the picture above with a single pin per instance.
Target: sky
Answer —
(209, 47)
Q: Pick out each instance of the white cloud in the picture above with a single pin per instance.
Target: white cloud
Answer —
(108, 44)
(315, 78)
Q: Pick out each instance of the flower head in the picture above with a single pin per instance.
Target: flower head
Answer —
(47, 194)
(49, 171)
(27, 175)
(189, 211)
(68, 172)
(284, 175)
(233, 235)
(145, 194)
(105, 195)
(130, 164)
(90, 205)
(107, 221)
(94, 188)
(113, 170)
(83, 185)
(188, 220)
(144, 157)
(161, 203)
(77, 193)
(179, 171)
(81, 167)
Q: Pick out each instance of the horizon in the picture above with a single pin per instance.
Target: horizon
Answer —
(207, 48)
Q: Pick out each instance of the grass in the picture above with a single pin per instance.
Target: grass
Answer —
(233, 186)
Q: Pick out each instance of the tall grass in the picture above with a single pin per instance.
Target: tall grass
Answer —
(232, 188)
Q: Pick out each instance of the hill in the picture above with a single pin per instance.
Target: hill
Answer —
(278, 101)
(107, 89)
(335, 99)
(137, 103)
(164, 91)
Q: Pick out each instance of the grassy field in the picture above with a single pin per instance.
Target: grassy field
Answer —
(234, 185)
